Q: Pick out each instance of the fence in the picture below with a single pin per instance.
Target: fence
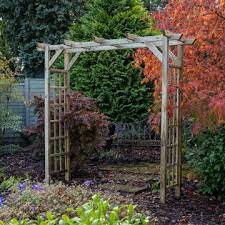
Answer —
(128, 134)
(26, 91)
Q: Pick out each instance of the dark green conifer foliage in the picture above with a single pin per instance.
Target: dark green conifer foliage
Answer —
(28, 22)
(109, 76)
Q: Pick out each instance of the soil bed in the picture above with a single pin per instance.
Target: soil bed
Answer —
(138, 182)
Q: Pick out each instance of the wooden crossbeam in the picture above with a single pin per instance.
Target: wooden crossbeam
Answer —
(172, 35)
(99, 40)
(132, 41)
(121, 46)
(73, 60)
(112, 42)
(42, 46)
(55, 57)
(155, 51)
(93, 46)
(172, 56)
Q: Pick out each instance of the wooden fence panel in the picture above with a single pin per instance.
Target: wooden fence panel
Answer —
(25, 91)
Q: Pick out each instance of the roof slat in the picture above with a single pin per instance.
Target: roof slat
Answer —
(132, 41)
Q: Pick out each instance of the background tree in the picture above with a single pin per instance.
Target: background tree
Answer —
(8, 120)
(109, 76)
(4, 47)
(154, 5)
(203, 85)
(28, 22)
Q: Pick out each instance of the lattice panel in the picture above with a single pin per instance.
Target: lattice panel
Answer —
(172, 158)
(58, 132)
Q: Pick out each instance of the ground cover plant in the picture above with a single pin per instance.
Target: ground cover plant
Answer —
(108, 76)
(97, 211)
(25, 202)
(28, 200)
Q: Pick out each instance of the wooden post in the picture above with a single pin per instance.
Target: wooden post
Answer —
(164, 120)
(47, 115)
(180, 50)
(27, 99)
(67, 136)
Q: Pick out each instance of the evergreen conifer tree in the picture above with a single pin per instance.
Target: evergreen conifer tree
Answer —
(28, 22)
(109, 76)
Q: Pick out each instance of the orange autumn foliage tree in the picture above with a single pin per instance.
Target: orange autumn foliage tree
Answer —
(203, 85)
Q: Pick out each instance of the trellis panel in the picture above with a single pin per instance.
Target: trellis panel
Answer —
(58, 146)
(173, 128)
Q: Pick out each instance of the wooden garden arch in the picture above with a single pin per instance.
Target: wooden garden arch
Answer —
(57, 84)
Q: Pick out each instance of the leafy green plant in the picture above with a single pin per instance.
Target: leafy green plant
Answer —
(97, 211)
(8, 184)
(4, 47)
(9, 149)
(205, 153)
(155, 185)
(8, 120)
(109, 77)
(28, 200)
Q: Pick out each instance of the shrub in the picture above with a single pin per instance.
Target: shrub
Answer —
(109, 76)
(9, 149)
(87, 125)
(8, 120)
(206, 154)
(28, 22)
(28, 200)
(97, 211)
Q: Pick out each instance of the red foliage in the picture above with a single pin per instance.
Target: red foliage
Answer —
(204, 77)
(88, 127)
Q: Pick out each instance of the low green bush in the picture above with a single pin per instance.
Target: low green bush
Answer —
(205, 153)
(9, 149)
(96, 212)
(9, 184)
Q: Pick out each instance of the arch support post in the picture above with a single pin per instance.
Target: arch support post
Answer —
(164, 119)
(47, 115)
(180, 52)
(67, 108)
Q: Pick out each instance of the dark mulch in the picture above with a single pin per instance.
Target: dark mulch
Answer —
(191, 209)
(22, 164)
(132, 154)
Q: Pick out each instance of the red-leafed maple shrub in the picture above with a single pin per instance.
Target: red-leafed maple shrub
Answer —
(204, 78)
(88, 127)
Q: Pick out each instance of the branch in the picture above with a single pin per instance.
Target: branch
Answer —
(220, 15)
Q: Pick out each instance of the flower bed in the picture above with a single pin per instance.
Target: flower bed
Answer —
(28, 200)
(97, 211)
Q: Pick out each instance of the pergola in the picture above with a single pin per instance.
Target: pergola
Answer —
(168, 48)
